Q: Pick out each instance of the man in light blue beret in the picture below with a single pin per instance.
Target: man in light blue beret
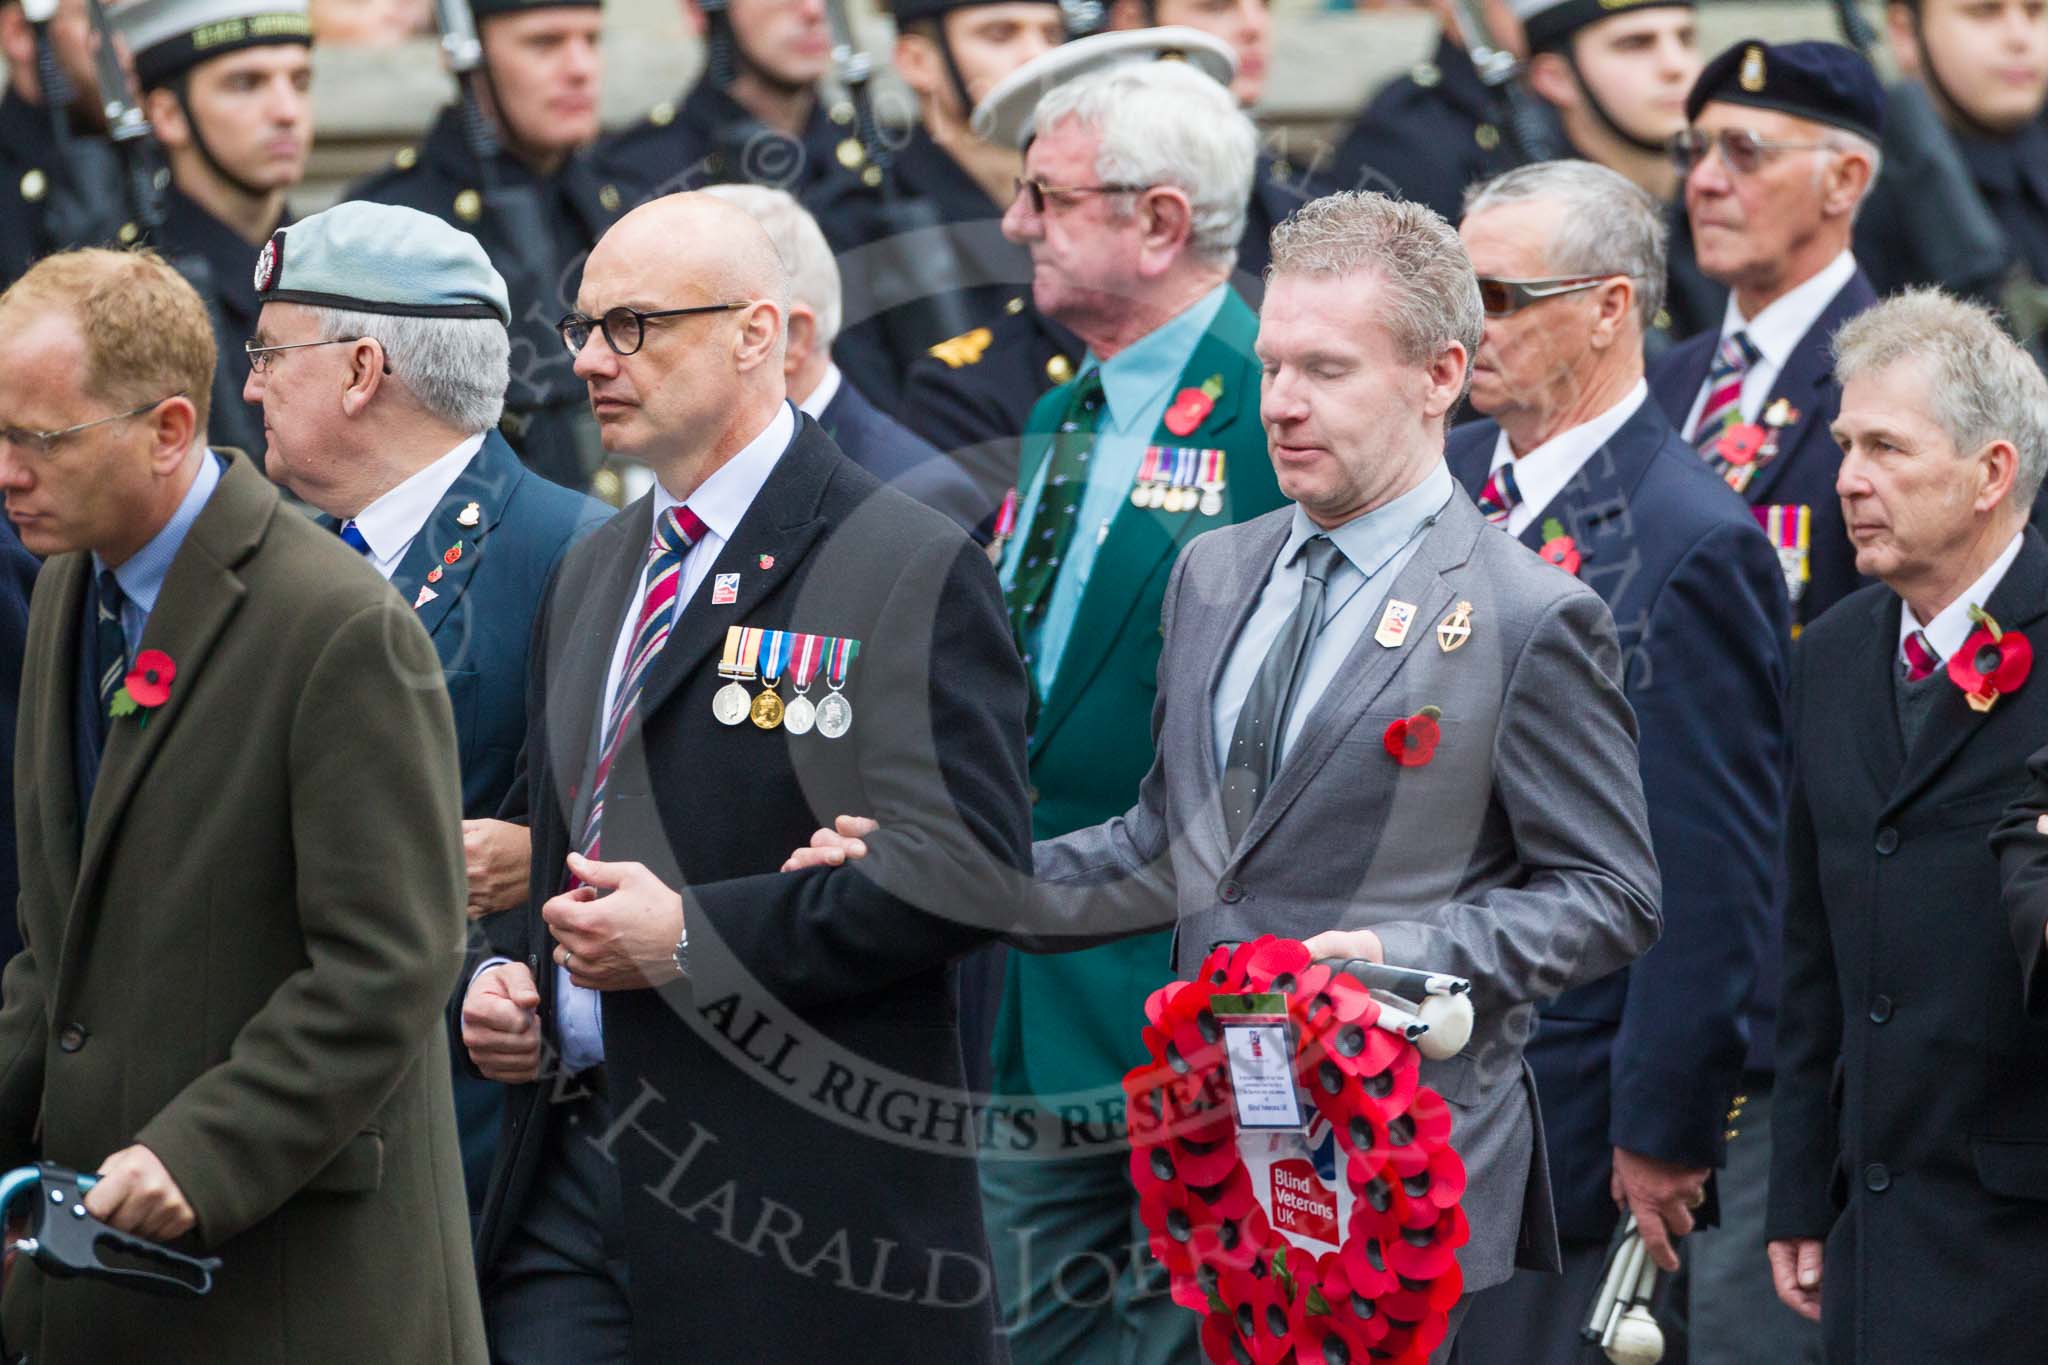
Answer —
(380, 361)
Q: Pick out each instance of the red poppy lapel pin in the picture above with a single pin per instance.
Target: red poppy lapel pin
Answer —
(1740, 443)
(1991, 663)
(1559, 548)
(147, 686)
(1191, 406)
(1412, 741)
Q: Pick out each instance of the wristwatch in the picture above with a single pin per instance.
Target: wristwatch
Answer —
(682, 954)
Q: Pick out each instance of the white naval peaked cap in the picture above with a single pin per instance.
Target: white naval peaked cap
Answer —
(1004, 115)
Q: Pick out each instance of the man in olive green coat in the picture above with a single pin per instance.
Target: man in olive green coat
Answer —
(1156, 440)
(241, 877)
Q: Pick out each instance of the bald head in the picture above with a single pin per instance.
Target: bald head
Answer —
(686, 251)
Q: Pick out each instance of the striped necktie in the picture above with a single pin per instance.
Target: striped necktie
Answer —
(1920, 659)
(1499, 495)
(110, 641)
(675, 531)
(1723, 407)
(352, 537)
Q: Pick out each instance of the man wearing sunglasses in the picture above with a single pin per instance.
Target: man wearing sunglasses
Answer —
(1634, 1072)
(241, 882)
(379, 365)
(658, 932)
(1781, 148)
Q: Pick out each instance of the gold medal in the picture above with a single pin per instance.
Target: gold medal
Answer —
(766, 711)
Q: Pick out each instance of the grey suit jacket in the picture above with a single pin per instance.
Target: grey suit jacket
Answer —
(1518, 857)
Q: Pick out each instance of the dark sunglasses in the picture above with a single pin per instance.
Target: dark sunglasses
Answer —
(1742, 151)
(625, 329)
(1501, 297)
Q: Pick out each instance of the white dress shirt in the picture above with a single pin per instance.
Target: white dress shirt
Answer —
(391, 523)
(1543, 473)
(821, 397)
(1775, 332)
(1952, 625)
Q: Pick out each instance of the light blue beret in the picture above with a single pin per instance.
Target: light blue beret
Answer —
(379, 258)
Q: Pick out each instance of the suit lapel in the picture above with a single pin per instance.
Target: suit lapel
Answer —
(1592, 507)
(488, 481)
(1876, 659)
(1248, 582)
(67, 578)
(2019, 602)
(1369, 667)
(1141, 538)
(201, 594)
(776, 531)
(1804, 383)
(588, 622)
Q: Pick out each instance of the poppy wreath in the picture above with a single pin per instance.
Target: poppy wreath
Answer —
(1385, 1294)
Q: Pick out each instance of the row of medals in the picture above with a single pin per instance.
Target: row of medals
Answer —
(832, 717)
(1168, 499)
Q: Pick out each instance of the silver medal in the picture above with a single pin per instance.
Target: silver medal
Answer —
(800, 715)
(732, 704)
(1212, 503)
(835, 716)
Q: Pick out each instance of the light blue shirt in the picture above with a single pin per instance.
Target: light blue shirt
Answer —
(142, 577)
(1375, 547)
(1137, 385)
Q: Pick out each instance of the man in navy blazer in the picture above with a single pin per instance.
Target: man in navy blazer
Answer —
(1635, 1071)
(380, 360)
(1781, 148)
(868, 436)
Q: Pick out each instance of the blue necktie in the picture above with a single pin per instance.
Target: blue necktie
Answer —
(353, 538)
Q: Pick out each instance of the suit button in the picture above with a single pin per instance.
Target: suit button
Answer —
(1887, 840)
(72, 1038)
(1876, 1178)
(1881, 1009)
(1230, 893)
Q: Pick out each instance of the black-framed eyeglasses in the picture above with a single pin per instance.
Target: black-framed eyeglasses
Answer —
(259, 356)
(625, 329)
(1742, 151)
(23, 438)
(1036, 191)
(1501, 297)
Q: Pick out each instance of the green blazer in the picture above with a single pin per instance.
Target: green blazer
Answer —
(241, 959)
(1071, 1022)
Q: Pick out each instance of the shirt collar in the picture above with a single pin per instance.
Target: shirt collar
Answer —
(721, 500)
(1543, 473)
(1134, 377)
(392, 519)
(142, 576)
(821, 397)
(1947, 631)
(1777, 329)
(1370, 539)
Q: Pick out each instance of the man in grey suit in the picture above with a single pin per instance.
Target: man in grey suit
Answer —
(1518, 854)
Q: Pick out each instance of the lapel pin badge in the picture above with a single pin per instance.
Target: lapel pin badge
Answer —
(427, 595)
(725, 589)
(766, 562)
(469, 516)
(1394, 623)
(1455, 629)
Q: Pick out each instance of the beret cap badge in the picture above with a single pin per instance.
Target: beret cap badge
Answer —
(267, 262)
(1752, 75)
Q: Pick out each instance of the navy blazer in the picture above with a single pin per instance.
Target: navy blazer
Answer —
(1803, 471)
(1649, 1058)
(901, 458)
(17, 578)
(482, 609)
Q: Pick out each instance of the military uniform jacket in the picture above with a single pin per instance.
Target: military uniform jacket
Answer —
(1428, 135)
(222, 268)
(1648, 1059)
(1910, 1127)
(709, 138)
(1089, 746)
(28, 166)
(877, 1249)
(241, 957)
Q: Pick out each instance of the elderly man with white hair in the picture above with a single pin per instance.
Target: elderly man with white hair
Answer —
(1637, 1070)
(868, 436)
(1136, 177)
(1910, 1140)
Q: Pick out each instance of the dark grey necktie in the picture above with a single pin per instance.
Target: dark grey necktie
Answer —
(1255, 744)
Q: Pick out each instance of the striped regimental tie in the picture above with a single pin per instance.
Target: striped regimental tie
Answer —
(1723, 407)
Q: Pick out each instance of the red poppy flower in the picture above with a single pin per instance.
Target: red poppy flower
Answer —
(1563, 552)
(1740, 443)
(1991, 663)
(1413, 741)
(1191, 407)
(149, 682)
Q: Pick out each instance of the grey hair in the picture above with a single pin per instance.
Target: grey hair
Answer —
(1983, 386)
(1843, 142)
(813, 274)
(1165, 123)
(457, 367)
(1610, 226)
(1432, 296)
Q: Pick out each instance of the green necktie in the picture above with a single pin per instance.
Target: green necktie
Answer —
(1059, 509)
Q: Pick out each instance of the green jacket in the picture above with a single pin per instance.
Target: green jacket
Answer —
(241, 958)
(1071, 1022)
